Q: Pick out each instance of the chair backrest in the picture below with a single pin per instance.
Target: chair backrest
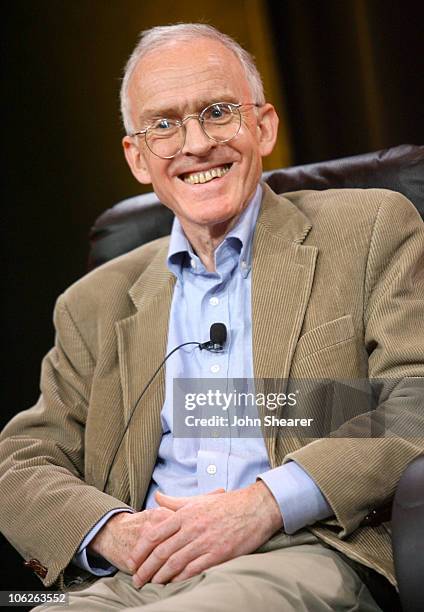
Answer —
(139, 219)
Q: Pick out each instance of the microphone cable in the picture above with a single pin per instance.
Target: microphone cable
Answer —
(218, 336)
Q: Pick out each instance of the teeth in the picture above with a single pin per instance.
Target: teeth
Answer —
(205, 177)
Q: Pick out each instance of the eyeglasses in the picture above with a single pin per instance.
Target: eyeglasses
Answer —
(220, 121)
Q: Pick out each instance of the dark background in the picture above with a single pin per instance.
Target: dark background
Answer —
(345, 77)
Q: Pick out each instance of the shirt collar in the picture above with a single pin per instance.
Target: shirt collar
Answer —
(180, 252)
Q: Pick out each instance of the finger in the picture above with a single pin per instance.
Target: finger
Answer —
(215, 491)
(168, 553)
(171, 502)
(151, 536)
(195, 567)
(160, 514)
(177, 563)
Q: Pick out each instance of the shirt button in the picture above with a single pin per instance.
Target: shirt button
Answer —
(214, 301)
(211, 469)
(244, 265)
(215, 368)
(193, 264)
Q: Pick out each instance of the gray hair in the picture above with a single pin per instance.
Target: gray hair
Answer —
(165, 35)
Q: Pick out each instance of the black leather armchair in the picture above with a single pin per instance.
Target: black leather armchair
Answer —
(140, 219)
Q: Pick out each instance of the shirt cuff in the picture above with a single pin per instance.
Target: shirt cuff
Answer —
(95, 564)
(300, 500)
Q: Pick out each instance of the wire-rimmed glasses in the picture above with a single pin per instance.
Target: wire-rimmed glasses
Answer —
(220, 121)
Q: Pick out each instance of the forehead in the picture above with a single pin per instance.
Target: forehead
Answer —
(185, 75)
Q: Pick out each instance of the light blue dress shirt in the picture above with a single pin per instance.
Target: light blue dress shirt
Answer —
(193, 466)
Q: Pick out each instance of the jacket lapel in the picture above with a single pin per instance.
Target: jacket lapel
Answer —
(282, 277)
(142, 341)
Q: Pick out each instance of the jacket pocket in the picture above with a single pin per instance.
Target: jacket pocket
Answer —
(326, 335)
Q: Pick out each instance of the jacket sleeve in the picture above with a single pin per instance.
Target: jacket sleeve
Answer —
(358, 469)
(47, 508)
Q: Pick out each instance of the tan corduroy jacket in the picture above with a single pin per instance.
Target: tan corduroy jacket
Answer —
(337, 292)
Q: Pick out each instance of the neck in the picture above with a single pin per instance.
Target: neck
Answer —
(206, 239)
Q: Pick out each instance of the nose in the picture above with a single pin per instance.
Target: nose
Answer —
(196, 141)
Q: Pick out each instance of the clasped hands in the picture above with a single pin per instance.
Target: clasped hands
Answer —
(186, 535)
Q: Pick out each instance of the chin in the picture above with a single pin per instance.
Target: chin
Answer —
(212, 215)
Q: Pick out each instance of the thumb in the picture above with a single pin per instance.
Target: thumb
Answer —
(171, 502)
(174, 503)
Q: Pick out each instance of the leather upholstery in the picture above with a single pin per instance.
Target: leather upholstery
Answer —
(408, 536)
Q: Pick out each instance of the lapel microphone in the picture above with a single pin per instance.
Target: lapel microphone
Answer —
(218, 338)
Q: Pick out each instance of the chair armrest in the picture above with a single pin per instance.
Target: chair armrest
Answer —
(408, 536)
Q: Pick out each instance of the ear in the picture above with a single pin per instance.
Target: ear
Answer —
(136, 160)
(268, 128)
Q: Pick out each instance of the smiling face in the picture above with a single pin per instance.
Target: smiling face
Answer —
(181, 79)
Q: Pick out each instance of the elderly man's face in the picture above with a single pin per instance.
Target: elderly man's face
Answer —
(182, 79)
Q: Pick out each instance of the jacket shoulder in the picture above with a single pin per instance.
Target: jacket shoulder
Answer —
(102, 296)
(120, 273)
(352, 204)
(357, 212)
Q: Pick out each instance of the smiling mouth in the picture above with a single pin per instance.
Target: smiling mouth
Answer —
(192, 178)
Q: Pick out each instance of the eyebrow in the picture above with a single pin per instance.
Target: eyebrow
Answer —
(167, 111)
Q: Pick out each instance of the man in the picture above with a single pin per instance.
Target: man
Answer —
(273, 522)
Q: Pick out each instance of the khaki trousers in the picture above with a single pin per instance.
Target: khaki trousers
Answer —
(289, 573)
